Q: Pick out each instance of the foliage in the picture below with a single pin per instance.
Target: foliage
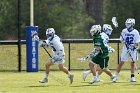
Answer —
(8, 19)
(122, 9)
(69, 17)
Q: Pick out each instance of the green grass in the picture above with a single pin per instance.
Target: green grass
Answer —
(14, 82)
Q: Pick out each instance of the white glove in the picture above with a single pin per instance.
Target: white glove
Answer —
(42, 43)
(82, 59)
(111, 50)
(36, 37)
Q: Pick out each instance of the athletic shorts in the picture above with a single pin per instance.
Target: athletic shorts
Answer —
(58, 58)
(102, 62)
(125, 56)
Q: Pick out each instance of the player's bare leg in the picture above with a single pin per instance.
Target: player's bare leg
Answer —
(45, 79)
(108, 72)
(132, 72)
(93, 71)
(65, 70)
(85, 74)
(99, 71)
(118, 71)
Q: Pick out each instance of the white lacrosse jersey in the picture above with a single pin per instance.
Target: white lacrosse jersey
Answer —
(57, 47)
(105, 37)
(129, 37)
(55, 43)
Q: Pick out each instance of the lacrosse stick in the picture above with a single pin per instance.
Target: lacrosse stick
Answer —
(93, 53)
(35, 36)
(115, 23)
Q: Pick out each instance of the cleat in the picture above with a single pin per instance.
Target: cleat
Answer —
(44, 80)
(85, 76)
(71, 78)
(132, 79)
(114, 78)
(94, 80)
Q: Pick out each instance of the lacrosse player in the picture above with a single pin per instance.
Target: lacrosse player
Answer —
(130, 38)
(107, 30)
(55, 43)
(99, 55)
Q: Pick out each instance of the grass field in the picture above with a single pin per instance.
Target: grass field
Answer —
(9, 58)
(14, 82)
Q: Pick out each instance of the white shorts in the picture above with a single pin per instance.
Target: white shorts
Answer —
(125, 56)
(58, 58)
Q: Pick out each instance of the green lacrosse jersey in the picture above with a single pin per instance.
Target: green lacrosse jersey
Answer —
(98, 41)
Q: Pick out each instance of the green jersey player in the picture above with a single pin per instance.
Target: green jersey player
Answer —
(107, 30)
(100, 54)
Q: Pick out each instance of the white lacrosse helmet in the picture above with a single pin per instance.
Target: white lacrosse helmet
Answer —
(107, 29)
(50, 32)
(130, 22)
(95, 29)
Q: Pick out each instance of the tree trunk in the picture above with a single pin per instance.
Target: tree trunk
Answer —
(94, 8)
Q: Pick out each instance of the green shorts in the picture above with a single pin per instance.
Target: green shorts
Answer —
(102, 62)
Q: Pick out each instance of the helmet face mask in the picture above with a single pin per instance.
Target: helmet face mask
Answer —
(129, 23)
(107, 29)
(95, 29)
(50, 32)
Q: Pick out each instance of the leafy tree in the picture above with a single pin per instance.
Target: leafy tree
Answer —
(68, 17)
(8, 19)
(122, 9)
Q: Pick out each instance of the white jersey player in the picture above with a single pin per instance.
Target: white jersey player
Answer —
(55, 43)
(107, 30)
(130, 38)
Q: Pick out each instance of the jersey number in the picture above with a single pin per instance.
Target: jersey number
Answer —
(129, 40)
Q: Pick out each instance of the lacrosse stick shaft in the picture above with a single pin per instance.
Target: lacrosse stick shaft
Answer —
(47, 52)
(127, 49)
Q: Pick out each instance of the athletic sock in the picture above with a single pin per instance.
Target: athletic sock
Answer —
(46, 75)
(97, 75)
(88, 72)
(117, 74)
(69, 74)
(132, 75)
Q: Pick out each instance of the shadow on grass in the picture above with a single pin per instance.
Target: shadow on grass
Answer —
(85, 85)
(136, 84)
(115, 83)
(42, 86)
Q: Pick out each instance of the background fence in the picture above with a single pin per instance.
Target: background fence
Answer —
(74, 49)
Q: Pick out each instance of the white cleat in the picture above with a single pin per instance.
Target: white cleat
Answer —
(94, 80)
(44, 80)
(132, 79)
(85, 76)
(114, 78)
(71, 78)
(111, 78)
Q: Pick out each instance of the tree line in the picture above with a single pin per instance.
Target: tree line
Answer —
(70, 18)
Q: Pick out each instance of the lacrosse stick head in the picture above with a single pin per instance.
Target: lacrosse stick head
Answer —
(114, 22)
(35, 36)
